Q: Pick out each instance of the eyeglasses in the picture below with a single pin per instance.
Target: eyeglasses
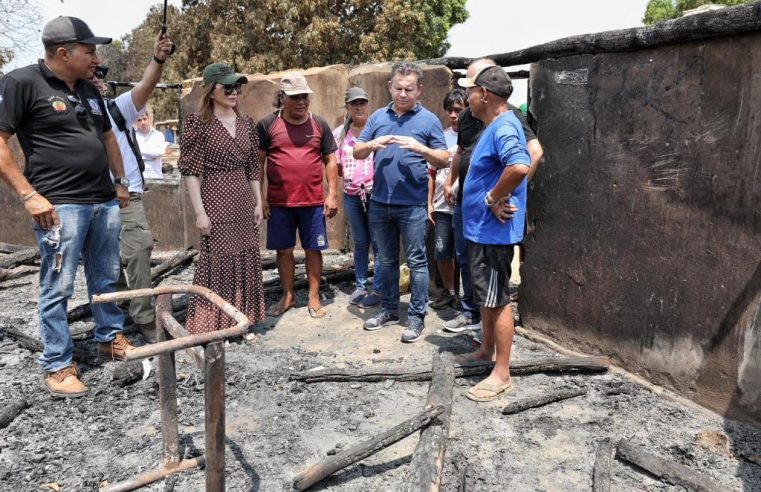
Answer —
(79, 108)
(230, 88)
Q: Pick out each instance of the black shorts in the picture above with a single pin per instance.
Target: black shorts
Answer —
(490, 273)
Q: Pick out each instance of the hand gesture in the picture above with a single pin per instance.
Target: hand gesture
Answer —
(258, 215)
(380, 142)
(448, 195)
(203, 223)
(42, 212)
(331, 206)
(162, 48)
(409, 143)
(503, 209)
(122, 194)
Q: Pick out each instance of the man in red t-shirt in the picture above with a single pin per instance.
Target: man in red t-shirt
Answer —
(294, 145)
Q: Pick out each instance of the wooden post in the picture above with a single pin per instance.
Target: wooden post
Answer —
(167, 376)
(214, 360)
(428, 458)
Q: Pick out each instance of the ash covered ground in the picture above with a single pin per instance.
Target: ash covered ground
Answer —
(277, 427)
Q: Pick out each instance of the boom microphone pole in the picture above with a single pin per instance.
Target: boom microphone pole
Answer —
(163, 28)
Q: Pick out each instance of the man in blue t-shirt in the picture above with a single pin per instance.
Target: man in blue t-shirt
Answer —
(494, 210)
(404, 136)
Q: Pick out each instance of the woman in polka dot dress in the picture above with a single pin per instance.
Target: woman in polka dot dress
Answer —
(218, 159)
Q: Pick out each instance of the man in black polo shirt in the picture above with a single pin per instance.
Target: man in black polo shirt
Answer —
(59, 118)
(470, 129)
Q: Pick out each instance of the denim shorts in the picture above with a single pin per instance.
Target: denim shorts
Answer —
(285, 221)
(443, 234)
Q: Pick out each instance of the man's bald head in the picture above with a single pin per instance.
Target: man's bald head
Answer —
(477, 65)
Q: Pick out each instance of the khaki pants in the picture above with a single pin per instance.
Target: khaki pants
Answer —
(135, 246)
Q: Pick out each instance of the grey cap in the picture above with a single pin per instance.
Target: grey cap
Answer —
(70, 30)
(354, 93)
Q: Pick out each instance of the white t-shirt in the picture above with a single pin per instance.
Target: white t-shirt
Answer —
(130, 113)
(439, 202)
(152, 146)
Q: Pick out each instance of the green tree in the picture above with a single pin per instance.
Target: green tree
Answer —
(270, 35)
(19, 22)
(660, 10)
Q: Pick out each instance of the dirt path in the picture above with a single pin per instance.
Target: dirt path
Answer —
(275, 428)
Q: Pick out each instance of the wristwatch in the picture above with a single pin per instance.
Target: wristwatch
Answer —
(122, 181)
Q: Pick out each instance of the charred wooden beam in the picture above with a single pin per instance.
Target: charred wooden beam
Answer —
(550, 365)
(667, 471)
(177, 260)
(732, 20)
(11, 410)
(19, 271)
(428, 458)
(8, 248)
(319, 471)
(19, 258)
(127, 373)
(603, 461)
(542, 400)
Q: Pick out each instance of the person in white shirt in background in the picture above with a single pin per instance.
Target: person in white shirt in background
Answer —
(152, 145)
(136, 239)
(439, 209)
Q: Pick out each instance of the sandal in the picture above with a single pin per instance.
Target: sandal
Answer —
(278, 309)
(493, 390)
(317, 313)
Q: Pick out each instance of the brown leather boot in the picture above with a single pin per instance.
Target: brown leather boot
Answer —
(116, 349)
(65, 383)
(148, 330)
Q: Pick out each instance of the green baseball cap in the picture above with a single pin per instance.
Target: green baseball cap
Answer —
(222, 73)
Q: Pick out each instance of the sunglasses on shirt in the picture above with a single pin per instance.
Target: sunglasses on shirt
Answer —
(79, 108)
(230, 88)
(100, 72)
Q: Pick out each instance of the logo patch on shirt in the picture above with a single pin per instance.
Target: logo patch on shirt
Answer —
(320, 240)
(94, 106)
(58, 104)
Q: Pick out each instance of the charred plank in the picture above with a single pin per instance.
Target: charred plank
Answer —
(319, 471)
(542, 400)
(548, 365)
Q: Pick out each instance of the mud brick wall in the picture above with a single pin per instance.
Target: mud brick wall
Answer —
(647, 215)
(168, 206)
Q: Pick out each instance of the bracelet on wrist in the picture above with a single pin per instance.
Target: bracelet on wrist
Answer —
(158, 60)
(28, 196)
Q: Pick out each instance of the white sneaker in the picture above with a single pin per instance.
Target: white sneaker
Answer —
(461, 323)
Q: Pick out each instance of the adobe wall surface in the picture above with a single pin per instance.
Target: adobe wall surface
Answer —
(168, 206)
(647, 215)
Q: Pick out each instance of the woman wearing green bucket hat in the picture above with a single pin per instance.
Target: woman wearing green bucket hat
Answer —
(218, 159)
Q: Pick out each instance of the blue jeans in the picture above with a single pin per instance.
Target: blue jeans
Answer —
(469, 308)
(357, 215)
(93, 232)
(388, 223)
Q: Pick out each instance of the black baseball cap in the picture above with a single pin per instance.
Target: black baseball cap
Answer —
(492, 78)
(70, 30)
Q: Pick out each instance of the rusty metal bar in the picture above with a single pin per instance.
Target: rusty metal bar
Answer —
(186, 342)
(155, 475)
(214, 386)
(167, 376)
(176, 330)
